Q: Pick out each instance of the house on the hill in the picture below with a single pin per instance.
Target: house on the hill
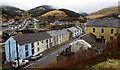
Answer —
(27, 44)
(103, 28)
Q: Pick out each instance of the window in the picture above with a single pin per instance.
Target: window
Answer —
(26, 47)
(27, 54)
(38, 48)
(112, 30)
(50, 40)
(93, 29)
(57, 38)
(47, 45)
(102, 37)
(102, 30)
(32, 51)
(41, 41)
(32, 45)
(111, 38)
(37, 43)
(47, 41)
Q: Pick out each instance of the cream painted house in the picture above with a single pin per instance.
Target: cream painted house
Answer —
(59, 36)
(103, 28)
(44, 44)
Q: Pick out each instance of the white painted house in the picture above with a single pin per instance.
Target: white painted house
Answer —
(79, 44)
(75, 32)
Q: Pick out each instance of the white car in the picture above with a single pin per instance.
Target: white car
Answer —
(36, 56)
(21, 63)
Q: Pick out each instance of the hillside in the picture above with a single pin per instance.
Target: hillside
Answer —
(44, 13)
(40, 10)
(106, 12)
(53, 15)
(83, 14)
(11, 11)
(70, 13)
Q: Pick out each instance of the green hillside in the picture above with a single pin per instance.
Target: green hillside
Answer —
(10, 11)
(70, 13)
(107, 11)
(40, 10)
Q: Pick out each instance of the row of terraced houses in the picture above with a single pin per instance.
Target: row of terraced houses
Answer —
(29, 44)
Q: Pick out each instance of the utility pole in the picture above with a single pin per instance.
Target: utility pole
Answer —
(17, 54)
(9, 53)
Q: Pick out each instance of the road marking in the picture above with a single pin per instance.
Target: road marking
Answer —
(53, 53)
(42, 58)
(28, 65)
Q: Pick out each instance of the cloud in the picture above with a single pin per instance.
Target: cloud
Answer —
(75, 5)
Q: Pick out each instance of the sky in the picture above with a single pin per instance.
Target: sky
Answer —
(75, 5)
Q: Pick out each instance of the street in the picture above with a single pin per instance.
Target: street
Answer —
(48, 56)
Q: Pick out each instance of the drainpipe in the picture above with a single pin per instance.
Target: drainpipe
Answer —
(17, 54)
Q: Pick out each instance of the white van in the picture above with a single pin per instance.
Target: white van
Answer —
(21, 63)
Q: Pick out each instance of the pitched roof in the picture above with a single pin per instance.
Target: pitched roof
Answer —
(30, 38)
(103, 23)
(92, 40)
(72, 29)
(78, 27)
(57, 32)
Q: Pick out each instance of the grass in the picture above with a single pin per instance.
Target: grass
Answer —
(94, 16)
(53, 62)
(107, 64)
(37, 25)
(40, 67)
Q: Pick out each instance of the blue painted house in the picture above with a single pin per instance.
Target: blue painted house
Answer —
(25, 44)
(25, 50)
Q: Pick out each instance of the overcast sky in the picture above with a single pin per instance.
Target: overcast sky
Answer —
(75, 5)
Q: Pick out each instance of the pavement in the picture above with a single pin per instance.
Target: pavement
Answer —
(49, 55)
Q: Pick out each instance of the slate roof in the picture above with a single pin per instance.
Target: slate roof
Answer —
(103, 23)
(72, 29)
(57, 32)
(31, 38)
(92, 40)
(78, 27)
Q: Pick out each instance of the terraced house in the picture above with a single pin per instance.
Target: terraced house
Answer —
(103, 28)
(59, 36)
(74, 31)
(27, 44)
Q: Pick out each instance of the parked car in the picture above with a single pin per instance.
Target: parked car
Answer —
(36, 56)
(21, 63)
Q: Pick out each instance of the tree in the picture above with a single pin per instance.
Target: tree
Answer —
(70, 13)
